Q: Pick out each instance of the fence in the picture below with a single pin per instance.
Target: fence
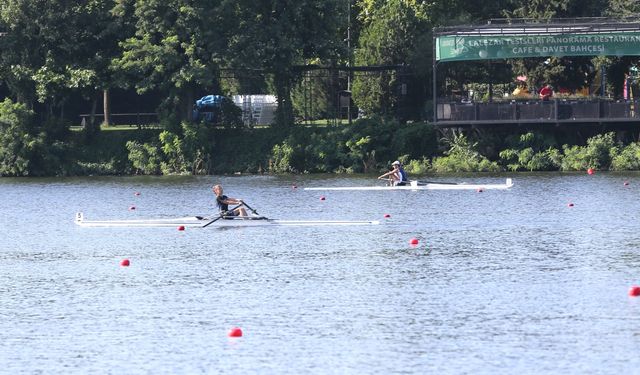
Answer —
(555, 111)
(134, 119)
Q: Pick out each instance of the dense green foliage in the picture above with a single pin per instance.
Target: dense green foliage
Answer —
(366, 146)
(61, 57)
(462, 156)
(27, 149)
(532, 152)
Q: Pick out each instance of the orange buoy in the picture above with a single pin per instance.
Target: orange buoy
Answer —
(590, 171)
(634, 291)
(413, 241)
(235, 332)
(125, 263)
(181, 227)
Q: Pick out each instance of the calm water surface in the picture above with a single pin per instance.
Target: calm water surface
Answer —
(513, 282)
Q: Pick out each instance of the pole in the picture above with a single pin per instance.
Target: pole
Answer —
(349, 59)
(434, 95)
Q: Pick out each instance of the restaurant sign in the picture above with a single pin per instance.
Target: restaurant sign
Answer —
(491, 47)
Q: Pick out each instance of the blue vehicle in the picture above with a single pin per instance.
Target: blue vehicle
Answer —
(207, 108)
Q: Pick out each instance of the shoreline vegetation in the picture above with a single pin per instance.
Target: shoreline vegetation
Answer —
(366, 146)
(320, 62)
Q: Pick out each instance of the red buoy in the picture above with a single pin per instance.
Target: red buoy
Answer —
(480, 190)
(131, 208)
(634, 291)
(124, 263)
(590, 171)
(294, 187)
(570, 205)
(235, 332)
(626, 183)
(136, 193)
(322, 198)
(181, 227)
(387, 216)
(413, 241)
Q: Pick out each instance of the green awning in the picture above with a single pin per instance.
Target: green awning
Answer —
(491, 47)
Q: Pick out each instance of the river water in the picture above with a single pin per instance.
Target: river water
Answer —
(514, 282)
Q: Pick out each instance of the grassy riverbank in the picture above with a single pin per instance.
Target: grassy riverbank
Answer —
(364, 147)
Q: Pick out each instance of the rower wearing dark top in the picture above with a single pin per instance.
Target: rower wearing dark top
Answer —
(223, 203)
(397, 175)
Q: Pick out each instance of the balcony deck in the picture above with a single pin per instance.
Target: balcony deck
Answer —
(555, 111)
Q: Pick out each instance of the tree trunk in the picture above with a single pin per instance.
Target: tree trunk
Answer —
(284, 113)
(188, 105)
(92, 115)
(106, 107)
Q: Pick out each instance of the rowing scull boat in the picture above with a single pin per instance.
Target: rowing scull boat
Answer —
(201, 222)
(415, 185)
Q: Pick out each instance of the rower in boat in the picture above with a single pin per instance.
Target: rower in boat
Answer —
(223, 203)
(396, 176)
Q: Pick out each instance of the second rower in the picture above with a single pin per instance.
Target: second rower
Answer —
(397, 176)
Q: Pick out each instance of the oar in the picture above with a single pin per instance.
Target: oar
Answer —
(214, 220)
(222, 214)
(249, 207)
(437, 182)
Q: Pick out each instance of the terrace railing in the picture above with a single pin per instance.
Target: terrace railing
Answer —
(537, 111)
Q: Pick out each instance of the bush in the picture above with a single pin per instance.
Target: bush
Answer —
(529, 160)
(596, 154)
(144, 157)
(283, 156)
(418, 167)
(627, 159)
(26, 149)
(462, 157)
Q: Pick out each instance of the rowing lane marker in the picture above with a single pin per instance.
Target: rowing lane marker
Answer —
(235, 332)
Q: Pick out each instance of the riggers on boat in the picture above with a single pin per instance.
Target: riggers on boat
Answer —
(218, 221)
(421, 185)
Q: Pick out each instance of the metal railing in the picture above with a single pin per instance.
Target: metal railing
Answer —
(551, 111)
(135, 119)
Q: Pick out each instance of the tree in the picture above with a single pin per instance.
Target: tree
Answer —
(389, 37)
(537, 9)
(623, 8)
(278, 35)
(57, 47)
(177, 49)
